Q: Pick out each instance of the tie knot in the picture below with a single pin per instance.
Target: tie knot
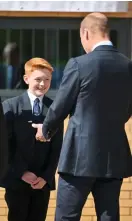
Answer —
(36, 101)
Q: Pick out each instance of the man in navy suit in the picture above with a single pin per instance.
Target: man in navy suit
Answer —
(32, 164)
(96, 91)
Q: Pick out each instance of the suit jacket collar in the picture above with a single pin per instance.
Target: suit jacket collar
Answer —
(105, 48)
(108, 42)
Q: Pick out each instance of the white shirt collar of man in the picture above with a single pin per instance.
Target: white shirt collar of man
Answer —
(102, 43)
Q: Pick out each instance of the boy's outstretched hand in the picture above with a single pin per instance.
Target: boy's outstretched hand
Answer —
(39, 134)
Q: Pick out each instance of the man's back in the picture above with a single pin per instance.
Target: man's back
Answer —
(97, 120)
(95, 156)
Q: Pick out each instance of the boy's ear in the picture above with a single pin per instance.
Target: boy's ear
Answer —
(25, 78)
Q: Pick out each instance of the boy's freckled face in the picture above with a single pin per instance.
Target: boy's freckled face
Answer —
(39, 81)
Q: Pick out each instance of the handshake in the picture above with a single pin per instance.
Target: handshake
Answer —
(33, 180)
(39, 135)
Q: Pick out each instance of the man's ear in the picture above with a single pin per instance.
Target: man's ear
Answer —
(86, 34)
(25, 78)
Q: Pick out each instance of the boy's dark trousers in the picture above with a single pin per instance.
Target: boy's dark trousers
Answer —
(27, 204)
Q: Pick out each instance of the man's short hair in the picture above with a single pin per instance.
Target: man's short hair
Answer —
(96, 22)
(35, 64)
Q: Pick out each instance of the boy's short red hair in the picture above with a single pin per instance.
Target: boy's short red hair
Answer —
(35, 64)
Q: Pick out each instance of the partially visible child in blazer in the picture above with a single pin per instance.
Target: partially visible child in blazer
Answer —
(32, 164)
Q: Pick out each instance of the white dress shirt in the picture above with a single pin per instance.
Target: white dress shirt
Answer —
(102, 43)
(32, 98)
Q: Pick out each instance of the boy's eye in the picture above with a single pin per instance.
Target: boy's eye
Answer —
(38, 79)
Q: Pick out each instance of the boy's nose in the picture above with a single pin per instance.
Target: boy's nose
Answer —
(42, 83)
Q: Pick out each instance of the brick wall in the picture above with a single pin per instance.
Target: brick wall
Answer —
(88, 211)
(130, 6)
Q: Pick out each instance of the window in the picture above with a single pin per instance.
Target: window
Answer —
(55, 45)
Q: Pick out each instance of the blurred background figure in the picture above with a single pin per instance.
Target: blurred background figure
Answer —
(11, 71)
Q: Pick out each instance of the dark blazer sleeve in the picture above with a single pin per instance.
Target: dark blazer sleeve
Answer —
(3, 144)
(56, 144)
(130, 110)
(65, 99)
(130, 104)
(17, 162)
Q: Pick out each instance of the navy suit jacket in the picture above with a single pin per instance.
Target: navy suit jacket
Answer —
(96, 91)
(25, 153)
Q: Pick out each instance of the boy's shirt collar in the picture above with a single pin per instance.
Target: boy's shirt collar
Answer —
(32, 98)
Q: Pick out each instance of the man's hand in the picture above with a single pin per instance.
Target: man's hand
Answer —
(39, 183)
(39, 134)
(29, 177)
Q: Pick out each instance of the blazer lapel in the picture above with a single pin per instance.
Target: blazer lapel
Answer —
(45, 106)
(26, 106)
(26, 118)
(27, 109)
